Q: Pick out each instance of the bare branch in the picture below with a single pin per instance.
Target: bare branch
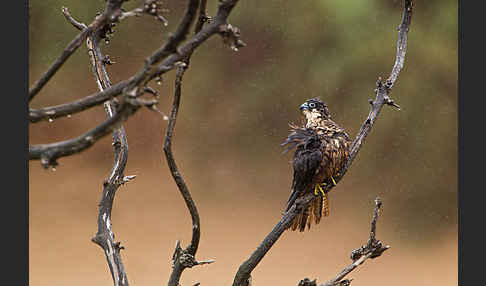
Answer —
(78, 25)
(150, 71)
(150, 7)
(104, 236)
(109, 15)
(213, 27)
(182, 258)
(49, 153)
(53, 112)
(203, 17)
(372, 249)
(243, 274)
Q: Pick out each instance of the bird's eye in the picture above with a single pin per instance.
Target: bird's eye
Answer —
(312, 105)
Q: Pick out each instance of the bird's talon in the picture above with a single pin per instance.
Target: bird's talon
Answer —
(318, 189)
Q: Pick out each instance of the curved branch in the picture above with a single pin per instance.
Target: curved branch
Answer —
(183, 258)
(104, 236)
(243, 274)
(190, 251)
(112, 8)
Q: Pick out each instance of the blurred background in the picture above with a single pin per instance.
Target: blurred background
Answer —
(235, 111)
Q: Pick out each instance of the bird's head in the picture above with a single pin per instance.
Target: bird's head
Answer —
(315, 109)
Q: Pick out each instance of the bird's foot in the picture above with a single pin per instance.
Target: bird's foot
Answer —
(333, 181)
(318, 189)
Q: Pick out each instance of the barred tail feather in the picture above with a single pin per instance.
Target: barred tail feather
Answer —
(312, 213)
(325, 207)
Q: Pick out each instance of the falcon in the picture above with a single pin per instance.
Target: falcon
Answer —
(321, 151)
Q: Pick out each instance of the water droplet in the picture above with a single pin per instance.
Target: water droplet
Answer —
(53, 169)
(166, 24)
(69, 116)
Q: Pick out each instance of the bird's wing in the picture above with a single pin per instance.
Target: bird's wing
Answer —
(307, 160)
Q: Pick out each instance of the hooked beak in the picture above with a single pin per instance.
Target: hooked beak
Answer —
(304, 106)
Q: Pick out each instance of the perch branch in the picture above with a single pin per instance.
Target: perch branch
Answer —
(243, 274)
(111, 12)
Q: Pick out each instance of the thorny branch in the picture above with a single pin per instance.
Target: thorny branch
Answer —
(49, 153)
(161, 61)
(372, 249)
(242, 276)
(112, 11)
(105, 237)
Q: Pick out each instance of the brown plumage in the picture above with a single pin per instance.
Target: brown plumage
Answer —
(322, 148)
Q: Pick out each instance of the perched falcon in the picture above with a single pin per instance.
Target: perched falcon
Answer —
(322, 149)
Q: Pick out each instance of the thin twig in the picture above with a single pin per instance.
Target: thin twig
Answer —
(109, 15)
(382, 91)
(150, 7)
(78, 25)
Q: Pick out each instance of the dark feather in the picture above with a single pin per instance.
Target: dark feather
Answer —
(307, 159)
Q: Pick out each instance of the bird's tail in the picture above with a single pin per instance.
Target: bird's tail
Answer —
(318, 207)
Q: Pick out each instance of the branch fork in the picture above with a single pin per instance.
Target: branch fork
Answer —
(186, 259)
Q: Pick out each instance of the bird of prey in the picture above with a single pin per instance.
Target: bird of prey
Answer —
(321, 152)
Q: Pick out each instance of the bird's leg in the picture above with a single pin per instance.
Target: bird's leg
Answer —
(318, 189)
(325, 200)
(333, 181)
